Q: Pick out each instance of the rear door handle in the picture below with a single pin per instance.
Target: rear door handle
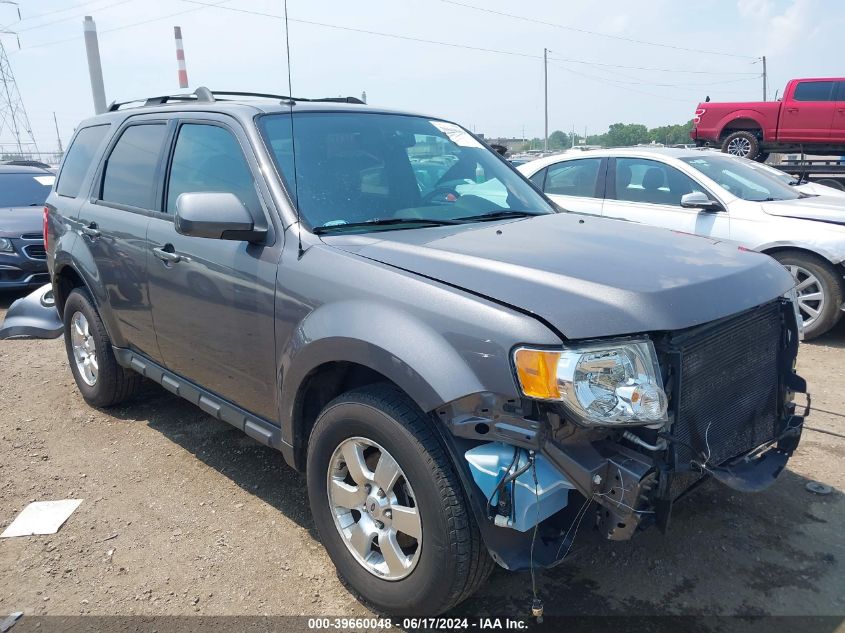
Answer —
(167, 254)
(91, 230)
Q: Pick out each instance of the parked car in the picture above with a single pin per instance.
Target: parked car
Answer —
(718, 196)
(810, 118)
(463, 376)
(23, 191)
(804, 186)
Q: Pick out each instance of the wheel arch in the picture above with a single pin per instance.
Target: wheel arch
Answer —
(745, 120)
(781, 247)
(348, 345)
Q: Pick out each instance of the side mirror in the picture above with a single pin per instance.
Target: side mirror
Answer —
(218, 216)
(699, 200)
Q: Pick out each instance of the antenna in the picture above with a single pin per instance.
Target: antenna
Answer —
(291, 103)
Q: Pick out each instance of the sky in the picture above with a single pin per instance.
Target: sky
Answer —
(609, 61)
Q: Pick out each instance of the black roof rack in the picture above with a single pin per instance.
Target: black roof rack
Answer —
(204, 95)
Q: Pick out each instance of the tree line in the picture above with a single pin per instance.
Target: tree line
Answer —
(619, 135)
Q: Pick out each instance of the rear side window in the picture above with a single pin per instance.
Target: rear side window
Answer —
(840, 87)
(814, 91)
(573, 178)
(78, 159)
(130, 174)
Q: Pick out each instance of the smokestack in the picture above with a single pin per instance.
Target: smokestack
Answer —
(95, 69)
(180, 57)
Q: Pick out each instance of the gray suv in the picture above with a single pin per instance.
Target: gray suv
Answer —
(463, 370)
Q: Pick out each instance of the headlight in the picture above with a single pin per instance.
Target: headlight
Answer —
(6, 245)
(612, 382)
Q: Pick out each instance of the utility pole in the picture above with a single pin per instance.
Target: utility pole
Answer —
(12, 112)
(95, 69)
(765, 77)
(58, 136)
(546, 93)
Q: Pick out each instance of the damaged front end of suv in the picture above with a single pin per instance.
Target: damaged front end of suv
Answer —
(612, 432)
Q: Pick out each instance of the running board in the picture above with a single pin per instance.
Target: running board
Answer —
(257, 428)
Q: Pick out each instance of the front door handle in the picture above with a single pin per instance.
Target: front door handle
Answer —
(91, 230)
(792, 109)
(167, 254)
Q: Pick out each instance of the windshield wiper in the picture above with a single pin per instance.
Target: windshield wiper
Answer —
(498, 215)
(385, 222)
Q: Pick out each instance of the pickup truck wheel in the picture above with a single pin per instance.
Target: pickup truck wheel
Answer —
(741, 143)
(819, 291)
(100, 379)
(389, 505)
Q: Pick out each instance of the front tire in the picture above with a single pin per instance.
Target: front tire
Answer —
(100, 379)
(742, 143)
(819, 290)
(389, 505)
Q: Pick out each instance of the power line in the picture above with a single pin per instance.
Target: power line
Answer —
(126, 26)
(672, 85)
(596, 33)
(72, 17)
(55, 11)
(613, 83)
(662, 70)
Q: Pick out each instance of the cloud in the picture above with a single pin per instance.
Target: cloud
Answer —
(780, 28)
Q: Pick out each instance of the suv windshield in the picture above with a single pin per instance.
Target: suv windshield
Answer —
(387, 170)
(742, 180)
(25, 189)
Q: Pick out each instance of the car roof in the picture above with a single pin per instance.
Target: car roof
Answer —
(23, 169)
(631, 152)
(245, 108)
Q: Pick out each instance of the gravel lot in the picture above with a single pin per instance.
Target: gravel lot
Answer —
(185, 515)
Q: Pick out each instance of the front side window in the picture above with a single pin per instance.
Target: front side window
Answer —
(24, 189)
(651, 182)
(742, 180)
(363, 167)
(208, 158)
(573, 178)
(814, 91)
(78, 159)
(130, 174)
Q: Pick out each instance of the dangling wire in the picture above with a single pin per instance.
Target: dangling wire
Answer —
(536, 603)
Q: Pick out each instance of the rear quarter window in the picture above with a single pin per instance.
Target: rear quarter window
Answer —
(78, 159)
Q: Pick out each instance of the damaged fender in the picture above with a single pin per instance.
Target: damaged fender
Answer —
(34, 315)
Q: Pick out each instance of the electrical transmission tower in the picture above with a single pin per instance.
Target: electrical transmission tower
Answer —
(13, 119)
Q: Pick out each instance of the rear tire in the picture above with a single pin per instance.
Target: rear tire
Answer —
(451, 559)
(101, 380)
(819, 290)
(742, 143)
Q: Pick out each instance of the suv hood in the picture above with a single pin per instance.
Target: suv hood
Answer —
(16, 221)
(820, 208)
(583, 275)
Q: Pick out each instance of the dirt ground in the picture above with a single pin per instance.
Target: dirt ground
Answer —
(185, 515)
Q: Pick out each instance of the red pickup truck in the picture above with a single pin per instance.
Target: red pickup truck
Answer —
(810, 118)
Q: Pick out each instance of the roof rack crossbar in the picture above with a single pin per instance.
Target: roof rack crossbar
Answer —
(204, 95)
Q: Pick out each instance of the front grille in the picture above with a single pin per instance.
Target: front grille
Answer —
(32, 236)
(728, 390)
(35, 251)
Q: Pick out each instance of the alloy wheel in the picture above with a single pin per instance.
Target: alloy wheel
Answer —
(811, 299)
(374, 508)
(739, 147)
(84, 349)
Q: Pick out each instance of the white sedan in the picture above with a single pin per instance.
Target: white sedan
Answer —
(716, 195)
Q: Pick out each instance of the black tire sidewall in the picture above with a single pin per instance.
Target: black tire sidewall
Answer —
(80, 301)
(429, 584)
(753, 152)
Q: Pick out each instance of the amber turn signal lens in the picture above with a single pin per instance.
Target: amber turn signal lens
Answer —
(537, 372)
